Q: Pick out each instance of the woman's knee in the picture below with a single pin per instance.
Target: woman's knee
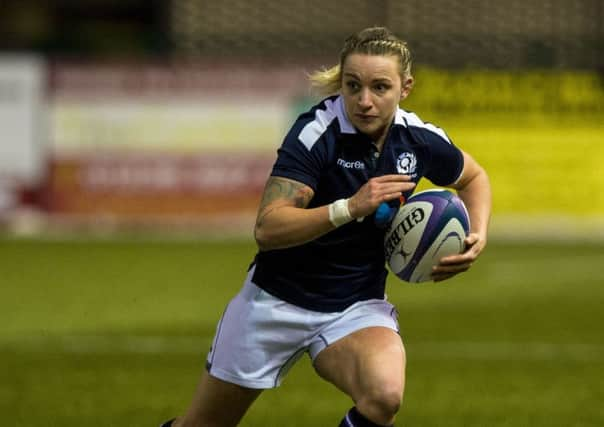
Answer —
(381, 404)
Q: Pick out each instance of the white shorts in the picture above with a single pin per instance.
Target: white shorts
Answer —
(260, 337)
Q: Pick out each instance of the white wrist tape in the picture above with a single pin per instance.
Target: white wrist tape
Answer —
(339, 213)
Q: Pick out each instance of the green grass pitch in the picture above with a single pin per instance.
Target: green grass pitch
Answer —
(114, 333)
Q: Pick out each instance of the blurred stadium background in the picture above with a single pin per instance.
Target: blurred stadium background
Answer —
(137, 113)
(125, 124)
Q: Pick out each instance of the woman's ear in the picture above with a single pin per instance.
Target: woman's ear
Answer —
(406, 87)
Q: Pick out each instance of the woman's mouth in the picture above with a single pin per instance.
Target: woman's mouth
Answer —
(365, 117)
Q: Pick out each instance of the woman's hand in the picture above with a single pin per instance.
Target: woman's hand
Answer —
(452, 265)
(377, 190)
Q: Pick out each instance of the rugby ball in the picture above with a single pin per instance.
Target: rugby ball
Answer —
(432, 224)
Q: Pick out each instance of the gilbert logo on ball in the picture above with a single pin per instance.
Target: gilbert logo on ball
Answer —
(430, 225)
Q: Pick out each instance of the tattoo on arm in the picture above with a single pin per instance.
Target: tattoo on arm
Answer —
(279, 188)
(292, 192)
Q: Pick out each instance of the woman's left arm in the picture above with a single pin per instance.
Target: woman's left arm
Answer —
(474, 189)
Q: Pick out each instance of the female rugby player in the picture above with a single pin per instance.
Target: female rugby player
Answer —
(317, 283)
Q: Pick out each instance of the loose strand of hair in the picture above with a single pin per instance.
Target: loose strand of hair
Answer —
(326, 81)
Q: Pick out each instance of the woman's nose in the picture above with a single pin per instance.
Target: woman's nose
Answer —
(365, 98)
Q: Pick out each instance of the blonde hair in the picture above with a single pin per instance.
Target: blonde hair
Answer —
(370, 41)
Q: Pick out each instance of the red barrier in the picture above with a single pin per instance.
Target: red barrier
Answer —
(144, 185)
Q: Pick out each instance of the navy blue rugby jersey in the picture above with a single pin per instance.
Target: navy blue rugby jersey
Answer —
(324, 151)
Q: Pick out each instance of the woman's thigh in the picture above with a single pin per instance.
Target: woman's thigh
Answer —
(369, 363)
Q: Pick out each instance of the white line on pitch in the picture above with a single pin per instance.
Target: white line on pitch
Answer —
(421, 350)
(108, 344)
(521, 351)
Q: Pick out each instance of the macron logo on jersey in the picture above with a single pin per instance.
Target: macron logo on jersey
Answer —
(351, 165)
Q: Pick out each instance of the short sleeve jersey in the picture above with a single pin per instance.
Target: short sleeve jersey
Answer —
(324, 151)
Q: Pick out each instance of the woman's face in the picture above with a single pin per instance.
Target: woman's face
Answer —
(372, 89)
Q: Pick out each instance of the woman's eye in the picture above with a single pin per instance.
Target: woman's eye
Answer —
(352, 85)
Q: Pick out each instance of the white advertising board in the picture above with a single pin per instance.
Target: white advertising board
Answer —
(22, 112)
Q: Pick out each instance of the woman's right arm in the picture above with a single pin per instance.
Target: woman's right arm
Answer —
(283, 218)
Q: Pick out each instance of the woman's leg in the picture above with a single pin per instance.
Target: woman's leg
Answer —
(217, 404)
(369, 366)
